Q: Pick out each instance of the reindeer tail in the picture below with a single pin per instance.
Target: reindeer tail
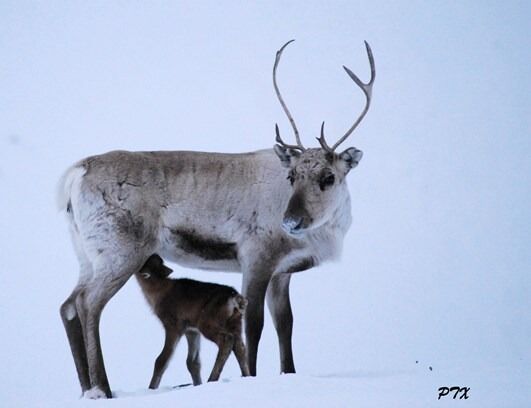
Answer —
(241, 302)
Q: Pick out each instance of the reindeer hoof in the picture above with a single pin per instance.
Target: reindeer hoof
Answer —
(94, 393)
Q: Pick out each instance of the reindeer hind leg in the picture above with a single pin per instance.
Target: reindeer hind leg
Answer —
(239, 351)
(224, 342)
(107, 280)
(71, 316)
(74, 333)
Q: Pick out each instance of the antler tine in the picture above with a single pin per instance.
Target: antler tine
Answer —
(279, 140)
(367, 90)
(279, 96)
(322, 140)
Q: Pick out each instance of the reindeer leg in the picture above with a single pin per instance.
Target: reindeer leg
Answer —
(279, 306)
(71, 314)
(239, 351)
(192, 361)
(74, 332)
(161, 363)
(254, 290)
(225, 342)
(90, 303)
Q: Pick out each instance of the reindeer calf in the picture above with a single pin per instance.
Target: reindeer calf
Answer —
(189, 307)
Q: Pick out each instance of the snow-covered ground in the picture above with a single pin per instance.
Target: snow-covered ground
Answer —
(386, 388)
(436, 267)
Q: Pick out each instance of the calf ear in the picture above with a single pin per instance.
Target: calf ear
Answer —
(166, 271)
(286, 155)
(351, 157)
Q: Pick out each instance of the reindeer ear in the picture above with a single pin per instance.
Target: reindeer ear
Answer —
(286, 155)
(351, 157)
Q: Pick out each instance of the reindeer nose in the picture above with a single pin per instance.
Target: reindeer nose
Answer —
(292, 224)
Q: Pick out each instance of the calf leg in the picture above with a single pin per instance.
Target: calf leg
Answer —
(279, 306)
(192, 361)
(161, 363)
(239, 351)
(225, 342)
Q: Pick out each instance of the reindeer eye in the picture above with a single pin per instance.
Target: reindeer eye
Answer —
(327, 181)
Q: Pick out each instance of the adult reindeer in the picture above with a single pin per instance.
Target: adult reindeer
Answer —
(234, 212)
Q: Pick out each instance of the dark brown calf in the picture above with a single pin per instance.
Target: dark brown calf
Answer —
(189, 307)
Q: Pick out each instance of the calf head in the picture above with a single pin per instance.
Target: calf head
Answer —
(154, 268)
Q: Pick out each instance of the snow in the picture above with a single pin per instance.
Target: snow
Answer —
(435, 267)
(408, 388)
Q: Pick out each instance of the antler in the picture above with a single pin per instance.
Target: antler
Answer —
(279, 140)
(367, 90)
(299, 145)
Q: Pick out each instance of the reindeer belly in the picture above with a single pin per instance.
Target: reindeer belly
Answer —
(190, 248)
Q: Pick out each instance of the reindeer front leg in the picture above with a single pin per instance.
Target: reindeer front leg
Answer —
(279, 306)
(254, 289)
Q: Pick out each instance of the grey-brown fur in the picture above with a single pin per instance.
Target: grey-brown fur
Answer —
(188, 307)
(126, 206)
(265, 214)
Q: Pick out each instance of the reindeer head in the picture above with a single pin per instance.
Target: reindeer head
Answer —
(317, 175)
(155, 268)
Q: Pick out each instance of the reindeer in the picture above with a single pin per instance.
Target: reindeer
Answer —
(249, 212)
(189, 307)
